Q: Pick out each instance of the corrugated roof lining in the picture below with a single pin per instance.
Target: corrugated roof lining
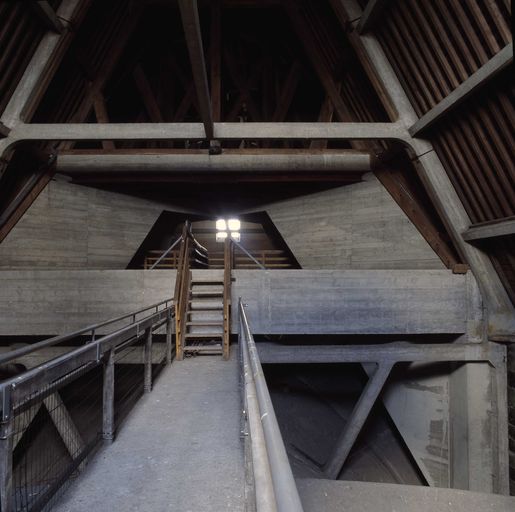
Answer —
(20, 33)
(435, 46)
(476, 143)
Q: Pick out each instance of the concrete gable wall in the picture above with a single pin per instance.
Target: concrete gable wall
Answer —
(354, 227)
(74, 227)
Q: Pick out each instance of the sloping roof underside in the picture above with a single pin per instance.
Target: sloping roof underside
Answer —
(433, 46)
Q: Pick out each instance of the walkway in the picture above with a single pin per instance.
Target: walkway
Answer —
(179, 450)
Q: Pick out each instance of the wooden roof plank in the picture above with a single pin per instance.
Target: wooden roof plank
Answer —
(475, 82)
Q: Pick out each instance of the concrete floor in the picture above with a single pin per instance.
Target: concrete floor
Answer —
(179, 450)
(336, 496)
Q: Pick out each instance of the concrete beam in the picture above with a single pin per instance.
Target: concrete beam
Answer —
(323, 131)
(357, 419)
(470, 86)
(494, 229)
(371, 15)
(47, 15)
(272, 353)
(226, 163)
(191, 24)
(184, 131)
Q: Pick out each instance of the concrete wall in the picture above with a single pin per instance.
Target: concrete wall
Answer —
(361, 302)
(354, 227)
(280, 301)
(48, 302)
(70, 226)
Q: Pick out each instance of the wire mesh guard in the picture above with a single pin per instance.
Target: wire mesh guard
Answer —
(53, 432)
(57, 428)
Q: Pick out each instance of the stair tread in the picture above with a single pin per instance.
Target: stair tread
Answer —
(205, 323)
(206, 294)
(219, 311)
(203, 348)
(204, 282)
(203, 335)
(214, 308)
(195, 299)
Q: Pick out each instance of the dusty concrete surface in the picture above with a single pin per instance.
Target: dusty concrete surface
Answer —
(334, 496)
(46, 302)
(180, 449)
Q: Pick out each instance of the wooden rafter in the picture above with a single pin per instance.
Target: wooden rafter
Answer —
(244, 86)
(288, 92)
(216, 60)
(326, 116)
(394, 182)
(191, 24)
(147, 95)
(99, 106)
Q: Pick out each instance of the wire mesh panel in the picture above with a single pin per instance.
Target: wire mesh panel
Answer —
(53, 432)
(128, 380)
(159, 351)
(59, 398)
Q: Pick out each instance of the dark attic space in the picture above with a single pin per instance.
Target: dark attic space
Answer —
(257, 256)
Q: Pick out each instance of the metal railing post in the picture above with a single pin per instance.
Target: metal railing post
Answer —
(169, 325)
(6, 452)
(108, 398)
(148, 361)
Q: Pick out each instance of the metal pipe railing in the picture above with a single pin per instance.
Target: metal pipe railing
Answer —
(248, 254)
(165, 254)
(23, 351)
(285, 494)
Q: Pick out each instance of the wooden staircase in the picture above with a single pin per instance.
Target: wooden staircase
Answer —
(202, 301)
(205, 316)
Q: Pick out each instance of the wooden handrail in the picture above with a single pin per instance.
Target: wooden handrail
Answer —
(190, 250)
(183, 257)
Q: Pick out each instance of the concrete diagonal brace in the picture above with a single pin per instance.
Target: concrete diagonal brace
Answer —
(357, 419)
(34, 75)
